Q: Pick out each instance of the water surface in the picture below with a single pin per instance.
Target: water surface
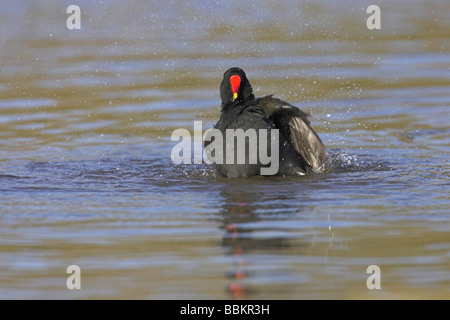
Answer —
(86, 176)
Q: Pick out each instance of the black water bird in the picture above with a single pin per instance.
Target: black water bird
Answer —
(300, 150)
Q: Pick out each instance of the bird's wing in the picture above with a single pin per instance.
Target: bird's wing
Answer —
(294, 125)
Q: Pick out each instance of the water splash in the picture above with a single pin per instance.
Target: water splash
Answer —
(344, 161)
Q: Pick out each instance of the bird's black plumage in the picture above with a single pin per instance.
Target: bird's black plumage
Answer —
(300, 150)
(293, 123)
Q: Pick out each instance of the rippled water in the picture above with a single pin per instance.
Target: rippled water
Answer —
(86, 176)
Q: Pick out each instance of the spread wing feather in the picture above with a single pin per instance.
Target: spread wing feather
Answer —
(294, 125)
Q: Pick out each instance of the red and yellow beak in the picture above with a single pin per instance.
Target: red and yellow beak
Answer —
(235, 84)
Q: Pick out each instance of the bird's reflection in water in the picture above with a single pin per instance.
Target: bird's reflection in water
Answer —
(245, 206)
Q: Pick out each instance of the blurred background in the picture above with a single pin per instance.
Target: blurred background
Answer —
(86, 176)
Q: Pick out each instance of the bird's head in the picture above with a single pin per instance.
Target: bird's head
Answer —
(235, 86)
